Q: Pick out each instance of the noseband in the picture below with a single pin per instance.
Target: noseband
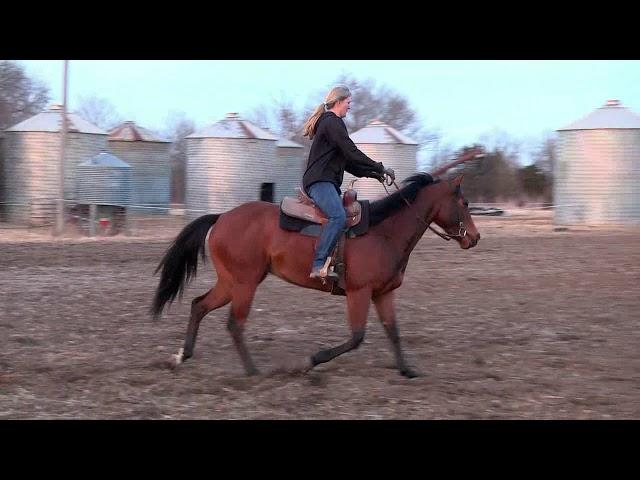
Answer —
(462, 232)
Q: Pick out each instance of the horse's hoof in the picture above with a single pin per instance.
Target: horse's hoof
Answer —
(409, 373)
(170, 363)
(177, 359)
(303, 366)
(293, 368)
(307, 365)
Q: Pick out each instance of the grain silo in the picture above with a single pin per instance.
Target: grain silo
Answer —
(32, 159)
(385, 144)
(150, 161)
(104, 190)
(3, 187)
(228, 163)
(104, 179)
(289, 167)
(597, 173)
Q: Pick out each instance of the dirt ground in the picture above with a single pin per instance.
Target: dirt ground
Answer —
(533, 323)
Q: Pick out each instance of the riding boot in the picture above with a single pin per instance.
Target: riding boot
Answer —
(317, 273)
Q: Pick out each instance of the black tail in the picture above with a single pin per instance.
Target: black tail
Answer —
(180, 263)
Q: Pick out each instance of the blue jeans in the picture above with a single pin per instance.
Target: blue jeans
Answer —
(326, 197)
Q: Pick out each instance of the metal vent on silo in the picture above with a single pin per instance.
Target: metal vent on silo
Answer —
(597, 173)
(228, 163)
(383, 143)
(32, 159)
(104, 180)
(150, 160)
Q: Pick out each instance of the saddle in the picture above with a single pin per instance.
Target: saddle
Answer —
(301, 214)
(304, 208)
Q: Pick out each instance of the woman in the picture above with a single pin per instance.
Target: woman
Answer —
(332, 152)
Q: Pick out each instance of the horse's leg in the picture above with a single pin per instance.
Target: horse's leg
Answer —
(386, 312)
(357, 310)
(217, 297)
(242, 297)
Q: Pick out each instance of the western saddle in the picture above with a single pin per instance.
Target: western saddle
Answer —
(304, 207)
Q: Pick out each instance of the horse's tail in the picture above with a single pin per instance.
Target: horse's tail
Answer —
(180, 263)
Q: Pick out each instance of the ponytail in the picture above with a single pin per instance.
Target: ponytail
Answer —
(309, 129)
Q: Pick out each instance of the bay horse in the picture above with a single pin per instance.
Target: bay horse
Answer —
(246, 244)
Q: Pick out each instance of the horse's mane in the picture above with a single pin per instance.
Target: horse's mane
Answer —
(381, 209)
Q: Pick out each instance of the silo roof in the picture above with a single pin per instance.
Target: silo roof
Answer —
(130, 132)
(105, 159)
(611, 115)
(232, 126)
(51, 121)
(380, 132)
(283, 142)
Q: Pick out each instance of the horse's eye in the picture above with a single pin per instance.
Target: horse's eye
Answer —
(466, 203)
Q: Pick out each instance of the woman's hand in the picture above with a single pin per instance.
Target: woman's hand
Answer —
(390, 176)
(390, 173)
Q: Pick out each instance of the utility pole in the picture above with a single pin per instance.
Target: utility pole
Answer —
(63, 143)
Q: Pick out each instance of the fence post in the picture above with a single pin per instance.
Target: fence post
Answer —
(92, 220)
(127, 221)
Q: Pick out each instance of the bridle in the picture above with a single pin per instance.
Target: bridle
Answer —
(462, 231)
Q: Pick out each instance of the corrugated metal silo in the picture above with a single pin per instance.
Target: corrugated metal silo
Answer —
(3, 187)
(597, 173)
(150, 160)
(228, 163)
(385, 144)
(289, 167)
(104, 180)
(32, 159)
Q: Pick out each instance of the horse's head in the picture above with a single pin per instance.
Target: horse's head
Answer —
(452, 215)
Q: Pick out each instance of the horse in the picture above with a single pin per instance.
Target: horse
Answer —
(246, 243)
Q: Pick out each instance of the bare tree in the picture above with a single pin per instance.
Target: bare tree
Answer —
(534, 183)
(98, 111)
(500, 141)
(20, 96)
(178, 126)
(492, 178)
(546, 154)
(370, 103)
(545, 158)
(263, 116)
(441, 152)
(383, 103)
(282, 118)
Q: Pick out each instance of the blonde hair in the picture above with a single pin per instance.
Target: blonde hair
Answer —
(336, 94)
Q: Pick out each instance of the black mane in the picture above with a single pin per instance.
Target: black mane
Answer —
(381, 209)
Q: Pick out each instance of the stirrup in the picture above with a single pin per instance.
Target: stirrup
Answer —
(318, 274)
(324, 272)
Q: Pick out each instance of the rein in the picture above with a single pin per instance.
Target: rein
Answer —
(446, 236)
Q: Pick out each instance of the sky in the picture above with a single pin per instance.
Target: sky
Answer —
(464, 101)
